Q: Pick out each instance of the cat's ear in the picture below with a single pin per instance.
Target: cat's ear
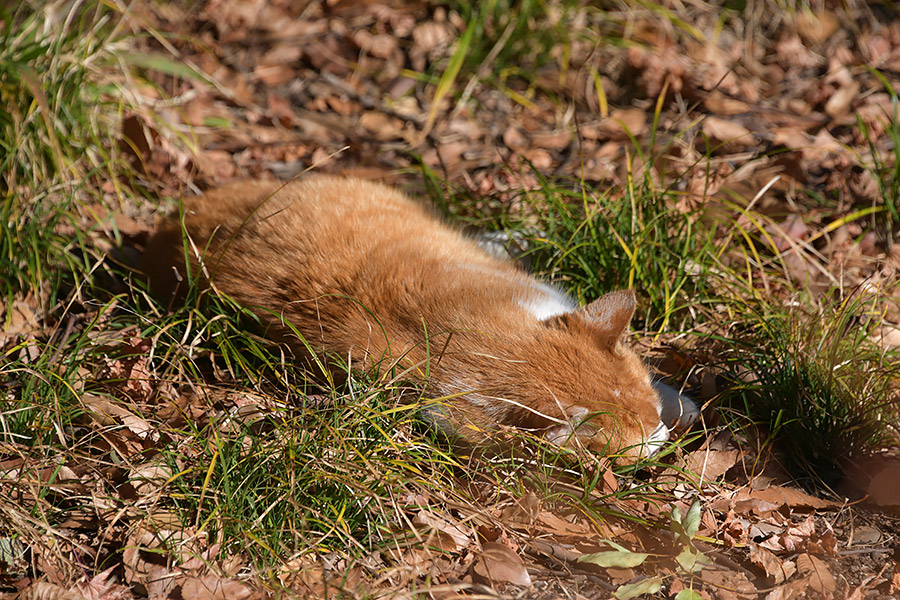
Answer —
(609, 316)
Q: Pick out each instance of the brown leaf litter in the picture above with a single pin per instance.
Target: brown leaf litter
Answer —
(751, 114)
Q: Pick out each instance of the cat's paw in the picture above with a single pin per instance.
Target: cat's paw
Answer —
(677, 411)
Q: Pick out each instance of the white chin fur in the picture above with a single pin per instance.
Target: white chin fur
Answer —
(656, 440)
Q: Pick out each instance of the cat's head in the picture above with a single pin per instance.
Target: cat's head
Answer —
(599, 394)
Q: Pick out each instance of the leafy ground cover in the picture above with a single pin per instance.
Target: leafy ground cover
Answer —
(735, 164)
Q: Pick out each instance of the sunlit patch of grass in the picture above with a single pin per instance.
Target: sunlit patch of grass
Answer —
(46, 441)
(55, 152)
(50, 146)
(46, 385)
(305, 478)
(594, 242)
(50, 137)
(514, 38)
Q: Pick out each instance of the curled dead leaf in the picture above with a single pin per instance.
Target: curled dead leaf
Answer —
(794, 589)
(560, 526)
(382, 126)
(433, 38)
(380, 45)
(791, 137)
(44, 590)
(212, 587)
(551, 140)
(785, 496)
(142, 568)
(709, 465)
(149, 478)
(720, 104)
(730, 584)
(514, 138)
(839, 103)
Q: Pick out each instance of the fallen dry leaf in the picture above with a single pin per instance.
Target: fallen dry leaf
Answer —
(102, 587)
(709, 465)
(794, 589)
(820, 578)
(305, 574)
(786, 496)
(212, 587)
(817, 27)
(623, 121)
(728, 132)
(563, 527)
(499, 564)
(457, 536)
(777, 571)
(729, 585)
(43, 590)
(839, 102)
(382, 126)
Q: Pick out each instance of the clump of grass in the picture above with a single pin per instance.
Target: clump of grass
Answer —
(885, 169)
(306, 477)
(595, 242)
(515, 37)
(816, 384)
(49, 146)
(49, 134)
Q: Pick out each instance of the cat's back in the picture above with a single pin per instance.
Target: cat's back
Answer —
(320, 235)
(354, 217)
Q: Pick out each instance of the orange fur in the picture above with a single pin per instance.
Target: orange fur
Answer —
(368, 276)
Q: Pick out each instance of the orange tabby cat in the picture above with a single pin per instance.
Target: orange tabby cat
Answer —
(367, 276)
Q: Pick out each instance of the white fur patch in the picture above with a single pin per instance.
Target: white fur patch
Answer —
(656, 440)
(544, 302)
